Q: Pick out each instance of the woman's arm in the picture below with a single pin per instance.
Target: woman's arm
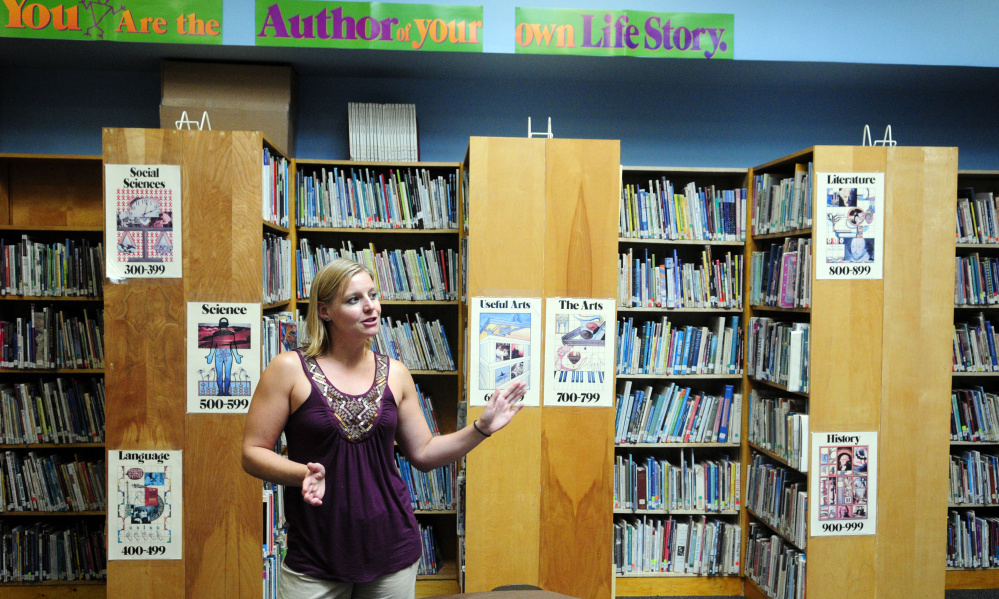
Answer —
(426, 452)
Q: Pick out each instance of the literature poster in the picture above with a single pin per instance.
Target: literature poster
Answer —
(505, 347)
(145, 504)
(579, 352)
(844, 489)
(851, 217)
(223, 356)
(143, 221)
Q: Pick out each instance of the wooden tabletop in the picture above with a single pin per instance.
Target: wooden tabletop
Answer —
(508, 595)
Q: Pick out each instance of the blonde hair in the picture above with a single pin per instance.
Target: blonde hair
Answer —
(329, 285)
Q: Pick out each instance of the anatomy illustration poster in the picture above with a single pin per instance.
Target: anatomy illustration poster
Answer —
(145, 504)
(505, 347)
(851, 218)
(579, 352)
(142, 211)
(223, 356)
(844, 492)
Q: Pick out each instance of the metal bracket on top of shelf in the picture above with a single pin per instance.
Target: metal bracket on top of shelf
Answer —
(547, 134)
(184, 120)
(886, 141)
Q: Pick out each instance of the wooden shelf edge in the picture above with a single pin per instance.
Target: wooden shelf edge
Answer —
(661, 310)
(627, 512)
(652, 586)
(962, 578)
(784, 234)
(50, 298)
(299, 162)
(672, 445)
(774, 530)
(448, 571)
(779, 309)
(778, 386)
(31, 446)
(275, 228)
(775, 457)
(54, 583)
(47, 514)
(51, 371)
(681, 376)
(681, 241)
(54, 228)
(366, 231)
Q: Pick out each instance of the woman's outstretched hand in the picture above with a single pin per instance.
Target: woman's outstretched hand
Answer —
(501, 407)
(314, 484)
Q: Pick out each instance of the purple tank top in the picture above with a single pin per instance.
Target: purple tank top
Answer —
(365, 527)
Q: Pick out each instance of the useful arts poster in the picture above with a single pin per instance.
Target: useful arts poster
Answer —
(143, 221)
(505, 347)
(579, 352)
(223, 356)
(145, 504)
(844, 492)
(851, 217)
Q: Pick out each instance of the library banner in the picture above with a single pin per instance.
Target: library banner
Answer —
(369, 25)
(624, 33)
(156, 21)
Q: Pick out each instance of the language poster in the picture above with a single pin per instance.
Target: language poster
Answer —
(145, 504)
(851, 219)
(505, 347)
(844, 492)
(579, 352)
(223, 356)
(142, 221)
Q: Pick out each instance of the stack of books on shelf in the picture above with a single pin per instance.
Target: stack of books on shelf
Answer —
(377, 199)
(430, 560)
(47, 483)
(420, 345)
(975, 346)
(972, 541)
(677, 414)
(778, 569)
(779, 497)
(691, 545)
(973, 478)
(782, 277)
(665, 349)
(707, 283)
(431, 491)
(275, 540)
(977, 281)
(69, 268)
(401, 275)
(277, 268)
(383, 132)
(703, 213)
(48, 338)
(974, 415)
(976, 217)
(778, 352)
(280, 333)
(780, 426)
(711, 485)
(61, 411)
(275, 188)
(41, 552)
(782, 205)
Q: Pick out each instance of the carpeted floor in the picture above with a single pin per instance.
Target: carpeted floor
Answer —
(973, 594)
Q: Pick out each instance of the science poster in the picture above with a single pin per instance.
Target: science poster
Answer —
(223, 356)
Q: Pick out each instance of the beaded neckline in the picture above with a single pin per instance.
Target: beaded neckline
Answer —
(356, 414)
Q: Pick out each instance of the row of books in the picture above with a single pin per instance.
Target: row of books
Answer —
(972, 542)
(434, 490)
(779, 352)
(782, 204)
(46, 551)
(780, 426)
(782, 276)
(698, 213)
(677, 414)
(48, 483)
(405, 275)
(668, 349)
(779, 498)
(276, 268)
(777, 568)
(280, 333)
(973, 478)
(372, 198)
(700, 546)
(651, 484)
(976, 281)
(976, 216)
(70, 268)
(974, 345)
(50, 338)
(64, 410)
(427, 407)
(382, 132)
(272, 576)
(974, 415)
(275, 188)
(709, 283)
(420, 345)
(430, 558)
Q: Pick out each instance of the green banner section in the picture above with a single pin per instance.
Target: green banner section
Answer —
(159, 21)
(369, 25)
(624, 33)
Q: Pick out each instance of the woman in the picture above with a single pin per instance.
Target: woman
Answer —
(356, 535)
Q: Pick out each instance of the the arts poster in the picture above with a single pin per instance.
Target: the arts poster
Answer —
(851, 217)
(142, 207)
(145, 504)
(505, 346)
(223, 356)
(579, 352)
(843, 497)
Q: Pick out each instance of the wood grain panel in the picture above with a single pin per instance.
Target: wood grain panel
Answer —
(4, 191)
(152, 579)
(436, 588)
(971, 579)
(919, 311)
(49, 591)
(56, 192)
(680, 586)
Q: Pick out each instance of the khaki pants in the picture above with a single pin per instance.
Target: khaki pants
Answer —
(398, 585)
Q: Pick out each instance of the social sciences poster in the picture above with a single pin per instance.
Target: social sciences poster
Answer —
(142, 208)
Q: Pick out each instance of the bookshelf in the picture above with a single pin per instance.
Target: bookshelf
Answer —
(655, 204)
(54, 199)
(882, 391)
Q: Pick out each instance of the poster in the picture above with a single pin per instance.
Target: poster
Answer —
(844, 492)
(850, 243)
(505, 347)
(579, 352)
(143, 221)
(145, 504)
(223, 356)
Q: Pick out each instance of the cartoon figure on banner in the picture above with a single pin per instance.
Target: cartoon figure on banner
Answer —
(105, 8)
(223, 343)
(144, 507)
(580, 357)
(145, 225)
(850, 213)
